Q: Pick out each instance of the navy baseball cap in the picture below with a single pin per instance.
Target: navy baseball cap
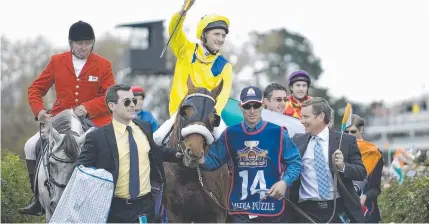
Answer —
(251, 94)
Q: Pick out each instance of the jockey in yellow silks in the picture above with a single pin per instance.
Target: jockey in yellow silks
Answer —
(201, 61)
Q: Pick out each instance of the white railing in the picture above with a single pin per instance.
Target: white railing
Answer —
(399, 119)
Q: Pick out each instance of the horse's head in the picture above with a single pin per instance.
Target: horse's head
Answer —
(65, 137)
(195, 122)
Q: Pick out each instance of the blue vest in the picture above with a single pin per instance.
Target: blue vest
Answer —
(257, 167)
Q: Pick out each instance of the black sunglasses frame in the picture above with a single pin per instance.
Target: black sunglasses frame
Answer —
(255, 106)
(127, 102)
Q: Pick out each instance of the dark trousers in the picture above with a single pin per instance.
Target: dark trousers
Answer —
(123, 211)
(259, 219)
(321, 211)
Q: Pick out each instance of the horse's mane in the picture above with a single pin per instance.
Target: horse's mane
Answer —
(62, 121)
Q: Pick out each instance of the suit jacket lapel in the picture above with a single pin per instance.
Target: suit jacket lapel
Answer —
(333, 145)
(304, 144)
(111, 140)
(67, 59)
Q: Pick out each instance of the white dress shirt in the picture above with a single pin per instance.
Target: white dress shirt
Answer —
(309, 188)
(78, 64)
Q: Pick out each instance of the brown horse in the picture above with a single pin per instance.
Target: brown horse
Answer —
(186, 201)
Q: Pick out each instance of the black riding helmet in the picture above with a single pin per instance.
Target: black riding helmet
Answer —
(81, 31)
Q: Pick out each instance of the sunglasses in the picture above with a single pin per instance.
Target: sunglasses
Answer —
(279, 99)
(247, 106)
(127, 102)
(350, 132)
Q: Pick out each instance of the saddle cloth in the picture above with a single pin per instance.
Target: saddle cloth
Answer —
(87, 197)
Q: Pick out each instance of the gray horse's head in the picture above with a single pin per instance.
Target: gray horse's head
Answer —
(65, 136)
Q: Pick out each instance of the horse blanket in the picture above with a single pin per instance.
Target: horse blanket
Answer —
(87, 197)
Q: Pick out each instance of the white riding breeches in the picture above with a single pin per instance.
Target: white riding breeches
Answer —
(30, 147)
(163, 130)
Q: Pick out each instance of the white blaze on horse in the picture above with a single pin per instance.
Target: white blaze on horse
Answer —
(65, 137)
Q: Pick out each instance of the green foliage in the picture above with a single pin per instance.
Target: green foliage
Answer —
(15, 189)
(406, 203)
(285, 50)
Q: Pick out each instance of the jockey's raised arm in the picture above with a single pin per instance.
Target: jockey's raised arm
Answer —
(179, 42)
(201, 61)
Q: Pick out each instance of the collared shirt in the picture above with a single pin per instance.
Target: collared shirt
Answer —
(121, 135)
(309, 188)
(218, 155)
(78, 64)
(255, 128)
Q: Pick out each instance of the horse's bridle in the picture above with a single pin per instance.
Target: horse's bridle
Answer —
(46, 165)
(183, 122)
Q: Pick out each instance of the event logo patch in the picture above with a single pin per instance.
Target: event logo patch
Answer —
(252, 155)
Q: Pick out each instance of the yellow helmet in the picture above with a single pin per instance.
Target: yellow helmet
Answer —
(209, 22)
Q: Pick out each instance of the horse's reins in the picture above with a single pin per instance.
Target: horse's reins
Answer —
(180, 147)
(336, 179)
(50, 180)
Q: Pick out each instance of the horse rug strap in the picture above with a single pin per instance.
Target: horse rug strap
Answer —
(87, 197)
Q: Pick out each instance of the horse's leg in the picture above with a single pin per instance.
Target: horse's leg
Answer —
(172, 216)
(225, 185)
(43, 192)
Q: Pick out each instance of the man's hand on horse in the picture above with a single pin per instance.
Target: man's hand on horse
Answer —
(362, 199)
(179, 155)
(201, 161)
(80, 111)
(338, 159)
(278, 190)
(43, 116)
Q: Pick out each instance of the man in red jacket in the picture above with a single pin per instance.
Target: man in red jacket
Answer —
(81, 79)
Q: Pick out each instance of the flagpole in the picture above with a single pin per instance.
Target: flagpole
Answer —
(185, 9)
(346, 117)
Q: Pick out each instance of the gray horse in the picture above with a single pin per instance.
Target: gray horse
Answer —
(65, 135)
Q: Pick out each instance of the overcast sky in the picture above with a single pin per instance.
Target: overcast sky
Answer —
(369, 49)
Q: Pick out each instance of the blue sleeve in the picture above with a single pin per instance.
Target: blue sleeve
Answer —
(217, 155)
(154, 123)
(292, 160)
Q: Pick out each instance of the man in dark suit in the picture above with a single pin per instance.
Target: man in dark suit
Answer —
(314, 192)
(125, 148)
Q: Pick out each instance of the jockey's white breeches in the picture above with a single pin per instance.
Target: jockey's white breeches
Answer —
(30, 147)
(163, 130)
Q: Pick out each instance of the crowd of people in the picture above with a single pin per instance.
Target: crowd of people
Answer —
(302, 167)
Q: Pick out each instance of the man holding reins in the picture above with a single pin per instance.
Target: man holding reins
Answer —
(263, 159)
(81, 79)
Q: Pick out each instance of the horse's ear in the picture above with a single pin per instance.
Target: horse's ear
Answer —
(56, 136)
(216, 91)
(81, 139)
(190, 83)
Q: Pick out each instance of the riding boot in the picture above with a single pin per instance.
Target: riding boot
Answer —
(34, 208)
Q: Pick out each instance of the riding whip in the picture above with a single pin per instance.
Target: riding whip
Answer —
(185, 9)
